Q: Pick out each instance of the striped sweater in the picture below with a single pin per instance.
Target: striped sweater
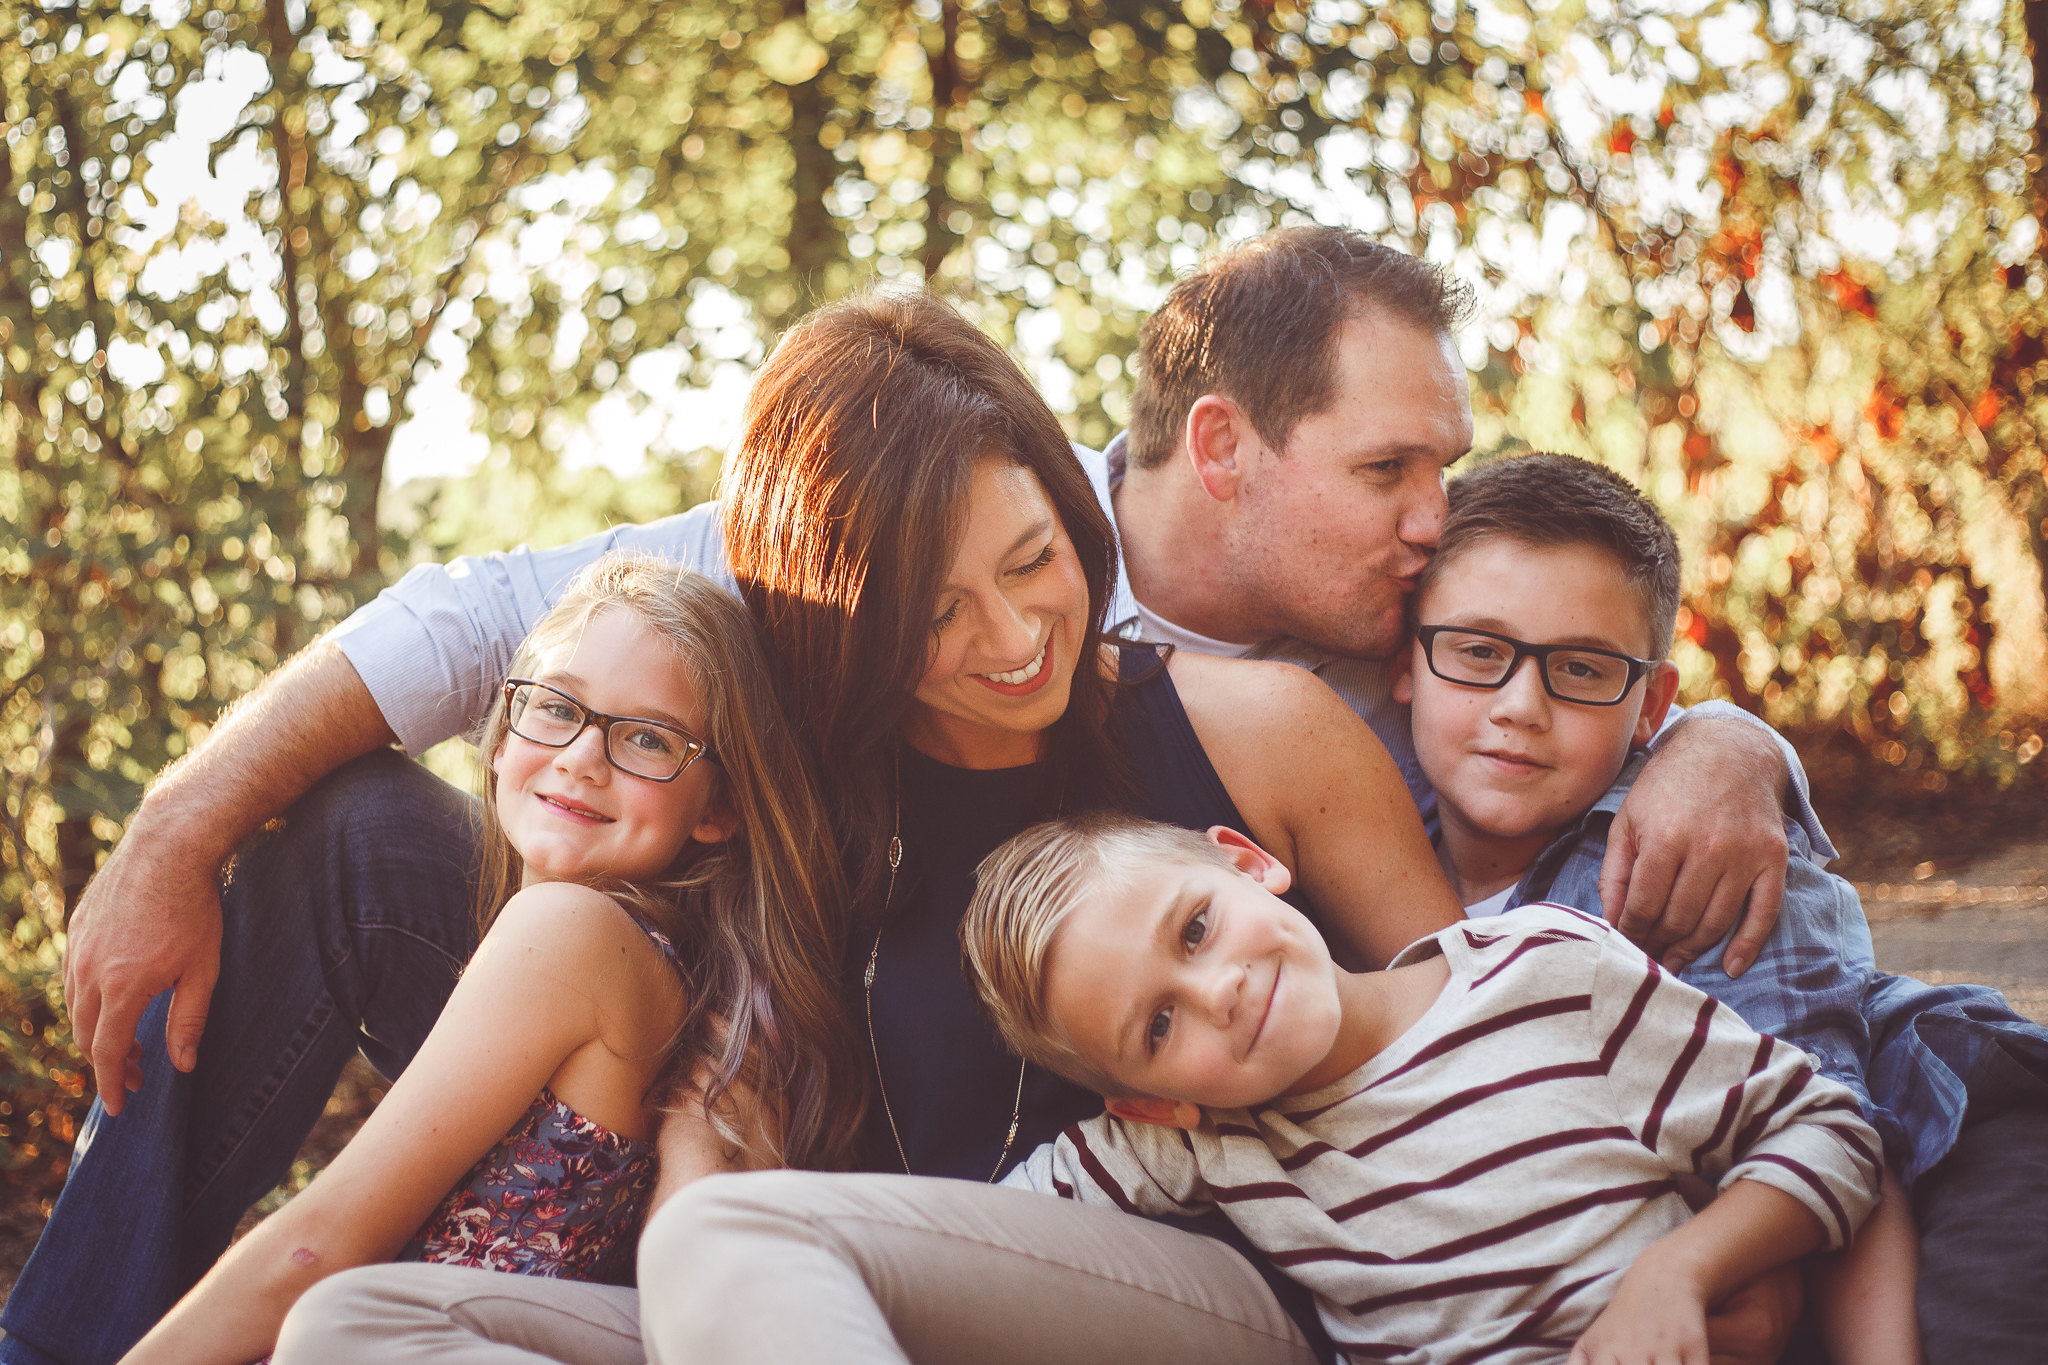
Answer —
(1475, 1190)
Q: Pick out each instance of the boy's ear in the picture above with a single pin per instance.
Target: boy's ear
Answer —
(1402, 670)
(1150, 1109)
(1261, 866)
(1660, 685)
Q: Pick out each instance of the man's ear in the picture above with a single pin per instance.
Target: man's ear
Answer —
(1261, 866)
(1660, 685)
(1150, 1109)
(1219, 442)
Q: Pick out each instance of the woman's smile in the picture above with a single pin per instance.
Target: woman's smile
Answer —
(1008, 628)
(1024, 681)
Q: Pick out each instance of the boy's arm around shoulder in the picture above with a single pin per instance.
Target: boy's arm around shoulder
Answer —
(1717, 1099)
(1109, 1162)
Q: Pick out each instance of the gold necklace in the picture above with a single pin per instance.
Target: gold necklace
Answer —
(868, 987)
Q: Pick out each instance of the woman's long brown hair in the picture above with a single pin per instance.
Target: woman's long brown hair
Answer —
(843, 506)
(758, 921)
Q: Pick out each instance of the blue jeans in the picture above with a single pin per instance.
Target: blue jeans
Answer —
(344, 928)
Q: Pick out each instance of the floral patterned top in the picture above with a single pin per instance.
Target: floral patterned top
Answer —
(560, 1195)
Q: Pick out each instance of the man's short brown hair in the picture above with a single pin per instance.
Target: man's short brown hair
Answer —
(1258, 325)
(1026, 889)
(1552, 501)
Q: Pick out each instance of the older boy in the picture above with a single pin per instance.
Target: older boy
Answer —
(1475, 1152)
(1562, 565)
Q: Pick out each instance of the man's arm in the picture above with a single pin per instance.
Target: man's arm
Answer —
(1700, 836)
(419, 663)
(150, 920)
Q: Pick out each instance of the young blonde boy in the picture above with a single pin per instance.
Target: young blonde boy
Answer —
(1478, 1151)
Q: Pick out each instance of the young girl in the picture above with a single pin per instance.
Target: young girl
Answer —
(663, 921)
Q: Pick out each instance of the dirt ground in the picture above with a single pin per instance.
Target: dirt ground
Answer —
(1959, 893)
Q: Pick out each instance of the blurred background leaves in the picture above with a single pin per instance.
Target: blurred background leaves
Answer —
(1778, 262)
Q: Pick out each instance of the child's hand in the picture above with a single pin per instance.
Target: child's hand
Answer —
(1653, 1319)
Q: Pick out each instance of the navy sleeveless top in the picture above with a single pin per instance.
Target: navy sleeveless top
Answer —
(949, 1081)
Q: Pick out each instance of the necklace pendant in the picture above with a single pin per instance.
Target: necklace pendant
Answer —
(867, 979)
(895, 852)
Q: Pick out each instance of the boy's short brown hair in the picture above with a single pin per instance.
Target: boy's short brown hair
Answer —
(1026, 889)
(1552, 501)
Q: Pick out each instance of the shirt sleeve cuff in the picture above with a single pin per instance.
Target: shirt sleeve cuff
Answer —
(390, 648)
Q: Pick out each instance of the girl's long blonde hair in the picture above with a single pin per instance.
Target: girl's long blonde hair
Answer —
(759, 920)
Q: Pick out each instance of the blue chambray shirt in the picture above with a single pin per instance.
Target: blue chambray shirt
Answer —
(1916, 1056)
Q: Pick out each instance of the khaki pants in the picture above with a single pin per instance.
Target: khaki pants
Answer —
(784, 1266)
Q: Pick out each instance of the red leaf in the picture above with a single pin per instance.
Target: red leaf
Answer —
(1886, 410)
(1849, 295)
(1742, 312)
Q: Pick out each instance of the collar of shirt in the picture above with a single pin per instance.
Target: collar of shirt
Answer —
(1105, 471)
(1150, 625)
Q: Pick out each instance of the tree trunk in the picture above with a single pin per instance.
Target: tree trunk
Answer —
(948, 94)
(812, 243)
(2031, 498)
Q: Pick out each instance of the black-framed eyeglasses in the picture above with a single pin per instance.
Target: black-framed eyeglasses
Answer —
(552, 718)
(1573, 673)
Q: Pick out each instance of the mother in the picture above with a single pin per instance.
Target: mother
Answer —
(931, 568)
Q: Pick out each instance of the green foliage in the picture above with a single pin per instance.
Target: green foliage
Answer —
(42, 1079)
(1795, 288)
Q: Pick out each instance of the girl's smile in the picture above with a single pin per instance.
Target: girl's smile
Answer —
(575, 810)
(569, 812)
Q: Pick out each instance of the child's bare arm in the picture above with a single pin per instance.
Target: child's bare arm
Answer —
(516, 1014)
(1863, 1297)
(1659, 1311)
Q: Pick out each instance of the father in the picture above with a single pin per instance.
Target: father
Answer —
(1278, 492)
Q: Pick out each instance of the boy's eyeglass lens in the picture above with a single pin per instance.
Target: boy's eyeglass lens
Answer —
(1480, 658)
(645, 748)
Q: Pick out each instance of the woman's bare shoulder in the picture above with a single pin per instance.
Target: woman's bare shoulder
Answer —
(1252, 693)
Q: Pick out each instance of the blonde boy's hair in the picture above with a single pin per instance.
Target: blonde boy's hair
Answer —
(1026, 889)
